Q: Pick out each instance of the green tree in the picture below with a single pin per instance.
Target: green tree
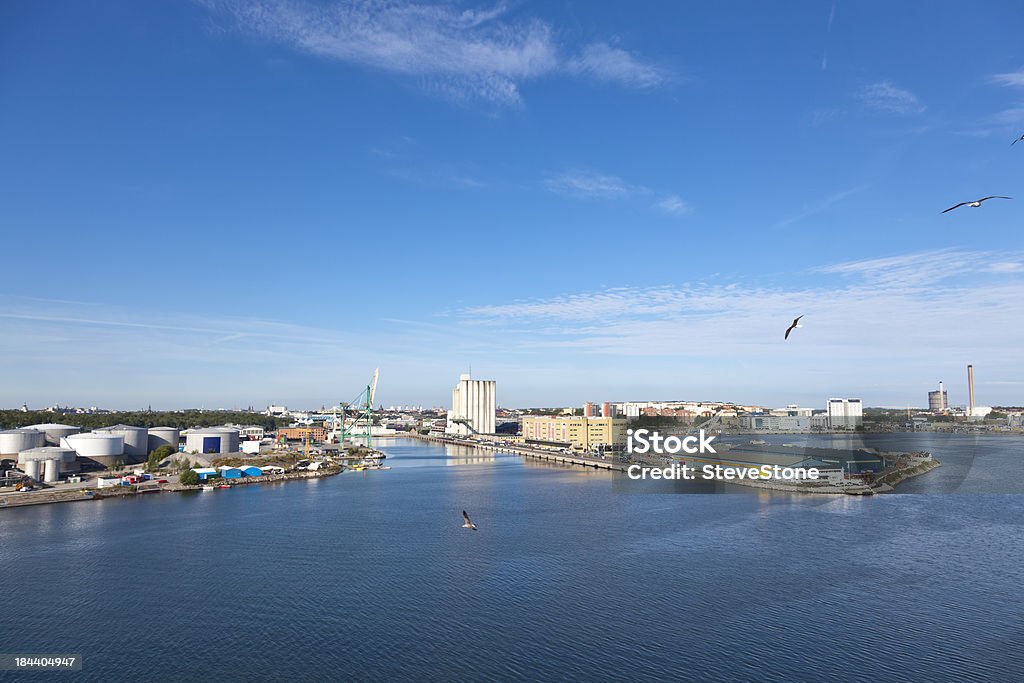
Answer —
(189, 478)
(158, 455)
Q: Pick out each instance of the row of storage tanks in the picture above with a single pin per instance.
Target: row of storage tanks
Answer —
(54, 449)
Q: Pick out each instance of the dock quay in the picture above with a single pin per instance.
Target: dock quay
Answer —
(44, 496)
(536, 453)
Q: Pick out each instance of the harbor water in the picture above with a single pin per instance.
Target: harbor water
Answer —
(369, 576)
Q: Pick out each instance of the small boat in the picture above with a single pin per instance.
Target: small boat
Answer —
(224, 486)
(207, 488)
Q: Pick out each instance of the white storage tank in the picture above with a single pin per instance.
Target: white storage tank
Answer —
(66, 457)
(136, 440)
(211, 440)
(55, 432)
(51, 472)
(163, 436)
(31, 469)
(102, 448)
(13, 441)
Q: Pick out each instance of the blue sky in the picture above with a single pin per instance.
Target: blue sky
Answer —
(223, 203)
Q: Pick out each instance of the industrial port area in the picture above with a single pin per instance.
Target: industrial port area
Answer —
(41, 459)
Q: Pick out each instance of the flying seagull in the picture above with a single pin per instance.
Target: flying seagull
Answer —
(796, 324)
(468, 524)
(1017, 140)
(976, 203)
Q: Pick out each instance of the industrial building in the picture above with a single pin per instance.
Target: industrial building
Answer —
(938, 401)
(318, 434)
(474, 404)
(211, 440)
(832, 463)
(579, 433)
(845, 413)
(775, 423)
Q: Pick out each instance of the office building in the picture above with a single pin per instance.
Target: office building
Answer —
(579, 433)
(845, 413)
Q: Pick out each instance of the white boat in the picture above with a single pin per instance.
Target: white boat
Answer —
(208, 488)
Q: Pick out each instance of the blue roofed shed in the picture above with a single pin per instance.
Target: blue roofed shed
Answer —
(230, 472)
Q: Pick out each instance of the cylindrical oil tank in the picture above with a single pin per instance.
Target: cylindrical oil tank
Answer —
(31, 469)
(67, 457)
(55, 432)
(163, 436)
(211, 440)
(14, 441)
(101, 448)
(136, 440)
(51, 472)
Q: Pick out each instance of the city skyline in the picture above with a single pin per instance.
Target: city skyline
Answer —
(211, 203)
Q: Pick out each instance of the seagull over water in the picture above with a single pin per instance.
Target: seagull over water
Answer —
(468, 524)
(796, 324)
(977, 202)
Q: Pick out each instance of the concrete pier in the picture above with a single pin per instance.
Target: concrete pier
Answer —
(536, 453)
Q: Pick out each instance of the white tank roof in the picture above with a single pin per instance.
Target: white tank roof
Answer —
(93, 444)
(47, 453)
(51, 425)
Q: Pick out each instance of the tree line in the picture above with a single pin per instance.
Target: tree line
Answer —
(186, 419)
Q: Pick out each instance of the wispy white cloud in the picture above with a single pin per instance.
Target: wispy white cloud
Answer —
(886, 97)
(828, 30)
(674, 205)
(1013, 79)
(816, 207)
(921, 268)
(479, 54)
(603, 62)
(893, 307)
(1010, 116)
(1007, 267)
(584, 184)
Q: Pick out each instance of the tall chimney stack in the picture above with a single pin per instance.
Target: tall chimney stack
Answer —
(970, 389)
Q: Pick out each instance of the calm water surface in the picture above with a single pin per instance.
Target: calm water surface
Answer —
(371, 577)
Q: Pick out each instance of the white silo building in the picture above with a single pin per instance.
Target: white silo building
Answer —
(163, 436)
(211, 440)
(55, 432)
(101, 448)
(51, 460)
(14, 441)
(474, 402)
(136, 440)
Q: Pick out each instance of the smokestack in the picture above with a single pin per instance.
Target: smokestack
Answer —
(942, 396)
(970, 389)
